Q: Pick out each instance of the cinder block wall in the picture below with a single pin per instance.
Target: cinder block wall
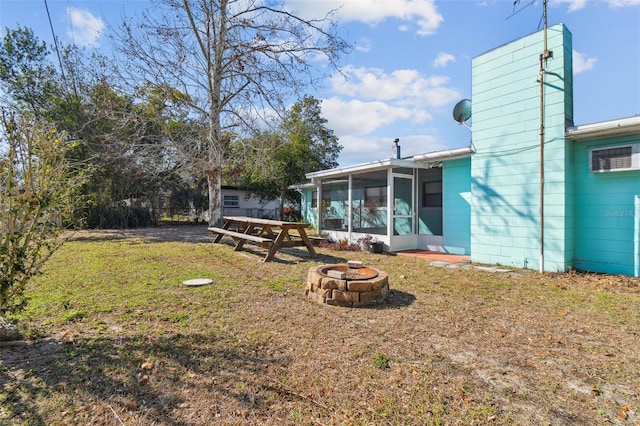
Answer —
(456, 194)
(505, 168)
(607, 213)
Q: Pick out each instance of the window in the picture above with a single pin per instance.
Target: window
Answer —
(615, 159)
(375, 196)
(326, 196)
(230, 201)
(432, 194)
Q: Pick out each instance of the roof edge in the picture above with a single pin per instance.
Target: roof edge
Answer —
(610, 128)
(450, 154)
(410, 162)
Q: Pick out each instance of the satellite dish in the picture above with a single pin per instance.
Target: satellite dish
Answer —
(462, 111)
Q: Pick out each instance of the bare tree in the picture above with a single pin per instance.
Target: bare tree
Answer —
(236, 61)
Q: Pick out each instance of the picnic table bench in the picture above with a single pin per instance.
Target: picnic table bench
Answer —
(267, 233)
(262, 241)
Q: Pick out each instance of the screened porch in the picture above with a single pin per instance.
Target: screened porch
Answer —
(398, 203)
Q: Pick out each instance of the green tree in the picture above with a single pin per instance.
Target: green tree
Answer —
(38, 186)
(26, 74)
(302, 145)
(127, 144)
(121, 135)
(239, 61)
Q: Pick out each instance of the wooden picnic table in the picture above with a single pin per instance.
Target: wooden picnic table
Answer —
(271, 234)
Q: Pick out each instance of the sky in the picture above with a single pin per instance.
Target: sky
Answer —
(411, 61)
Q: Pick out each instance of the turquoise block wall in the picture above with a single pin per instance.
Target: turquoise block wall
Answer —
(456, 202)
(505, 167)
(338, 208)
(309, 215)
(607, 232)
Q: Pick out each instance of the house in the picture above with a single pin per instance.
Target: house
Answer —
(532, 190)
(238, 202)
(235, 202)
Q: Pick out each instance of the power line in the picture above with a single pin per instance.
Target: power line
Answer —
(55, 40)
(516, 2)
(55, 44)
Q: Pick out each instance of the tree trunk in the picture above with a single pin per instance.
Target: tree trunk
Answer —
(281, 213)
(215, 197)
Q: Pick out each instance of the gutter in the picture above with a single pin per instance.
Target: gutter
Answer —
(371, 166)
(410, 162)
(620, 127)
(444, 155)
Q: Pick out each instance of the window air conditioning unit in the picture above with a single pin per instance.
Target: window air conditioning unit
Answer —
(615, 159)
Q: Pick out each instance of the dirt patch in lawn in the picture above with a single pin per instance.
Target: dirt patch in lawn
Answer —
(448, 345)
(165, 233)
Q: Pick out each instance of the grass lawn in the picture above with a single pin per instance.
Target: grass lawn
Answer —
(115, 338)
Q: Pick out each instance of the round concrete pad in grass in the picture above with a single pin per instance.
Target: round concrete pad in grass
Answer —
(197, 282)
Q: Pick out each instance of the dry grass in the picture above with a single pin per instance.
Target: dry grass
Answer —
(117, 339)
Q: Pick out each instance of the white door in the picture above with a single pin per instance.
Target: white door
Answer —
(403, 218)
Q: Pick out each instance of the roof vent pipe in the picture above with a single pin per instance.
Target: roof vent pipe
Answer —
(396, 149)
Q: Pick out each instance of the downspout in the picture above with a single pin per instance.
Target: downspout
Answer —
(303, 201)
(350, 209)
(636, 238)
(414, 207)
(542, 160)
(319, 206)
(391, 202)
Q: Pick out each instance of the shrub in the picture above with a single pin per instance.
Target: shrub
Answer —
(38, 187)
(340, 245)
(119, 216)
(290, 214)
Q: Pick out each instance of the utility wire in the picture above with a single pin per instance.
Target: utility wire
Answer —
(512, 151)
(55, 40)
(515, 12)
(55, 44)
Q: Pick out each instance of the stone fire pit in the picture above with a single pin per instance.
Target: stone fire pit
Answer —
(351, 284)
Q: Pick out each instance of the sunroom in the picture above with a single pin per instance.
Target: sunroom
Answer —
(396, 201)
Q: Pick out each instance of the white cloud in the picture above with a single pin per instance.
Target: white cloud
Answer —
(85, 29)
(355, 117)
(352, 121)
(401, 87)
(370, 101)
(443, 59)
(363, 45)
(422, 14)
(357, 150)
(574, 5)
(624, 3)
(441, 96)
(582, 63)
